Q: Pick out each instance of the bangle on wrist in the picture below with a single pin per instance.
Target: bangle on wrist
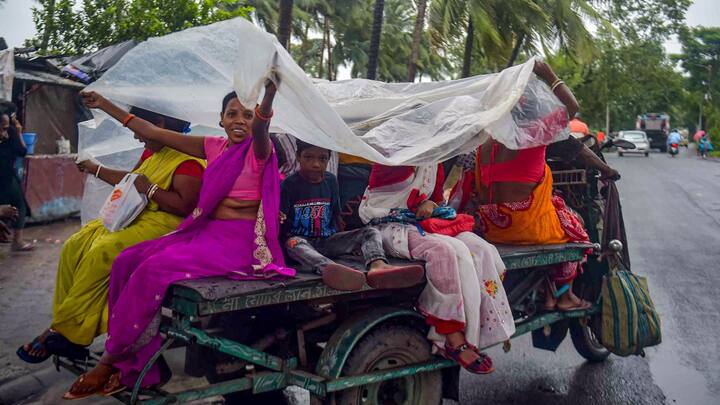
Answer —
(97, 171)
(262, 117)
(153, 189)
(557, 84)
(127, 119)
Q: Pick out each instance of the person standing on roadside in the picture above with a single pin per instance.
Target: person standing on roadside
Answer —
(12, 147)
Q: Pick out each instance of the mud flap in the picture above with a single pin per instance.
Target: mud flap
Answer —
(552, 340)
(451, 383)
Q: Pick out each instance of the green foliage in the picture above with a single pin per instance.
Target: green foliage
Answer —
(99, 23)
(632, 78)
(701, 60)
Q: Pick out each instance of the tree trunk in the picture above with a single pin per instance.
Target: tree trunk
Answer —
(375, 39)
(516, 49)
(417, 35)
(49, 25)
(285, 23)
(467, 56)
(321, 64)
(329, 48)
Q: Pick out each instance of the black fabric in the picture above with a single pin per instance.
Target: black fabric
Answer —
(614, 225)
(311, 209)
(566, 150)
(353, 179)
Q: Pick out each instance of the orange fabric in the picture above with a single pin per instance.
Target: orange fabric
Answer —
(578, 126)
(534, 221)
(600, 136)
(345, 159)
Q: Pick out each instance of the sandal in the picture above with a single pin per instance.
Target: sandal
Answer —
(72, 393)
(24, 247)
(113, 385)
(343, 278)
(481, 365)
(36, 344)
(395, 277)
(57, 344)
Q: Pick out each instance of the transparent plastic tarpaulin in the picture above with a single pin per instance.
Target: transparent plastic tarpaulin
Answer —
(186, 74)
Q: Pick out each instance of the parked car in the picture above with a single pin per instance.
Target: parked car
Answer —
(638, 138)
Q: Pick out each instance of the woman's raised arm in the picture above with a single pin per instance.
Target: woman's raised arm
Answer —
(191, 145)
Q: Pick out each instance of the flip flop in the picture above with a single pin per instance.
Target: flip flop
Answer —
(25, 247)
(343, 278)
(395, 277)
(58, 344)
(36, 344)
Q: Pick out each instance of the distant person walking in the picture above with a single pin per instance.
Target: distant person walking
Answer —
(12, 147)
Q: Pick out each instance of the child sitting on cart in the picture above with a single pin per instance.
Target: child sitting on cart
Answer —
(310, 213)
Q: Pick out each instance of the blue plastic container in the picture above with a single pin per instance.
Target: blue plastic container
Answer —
(29, 138)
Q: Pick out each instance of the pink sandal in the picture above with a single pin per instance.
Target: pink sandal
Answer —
(481, 365)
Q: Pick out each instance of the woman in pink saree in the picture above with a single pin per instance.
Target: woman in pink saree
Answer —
(238, 203)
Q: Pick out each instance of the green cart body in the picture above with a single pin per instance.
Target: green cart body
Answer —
(254, 337)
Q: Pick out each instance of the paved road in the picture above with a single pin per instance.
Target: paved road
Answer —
(672, 212)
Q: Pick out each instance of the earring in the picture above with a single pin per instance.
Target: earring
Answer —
(221, 124)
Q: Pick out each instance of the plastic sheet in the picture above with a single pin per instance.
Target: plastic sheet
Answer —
(7, 73)
(186, 75)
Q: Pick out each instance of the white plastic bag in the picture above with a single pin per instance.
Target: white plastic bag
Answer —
(123, 205)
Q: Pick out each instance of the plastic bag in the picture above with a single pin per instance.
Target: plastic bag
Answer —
(123, 205)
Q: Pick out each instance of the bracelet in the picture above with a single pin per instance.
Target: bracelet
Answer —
(127, 119)
(262, 117)
(556, 85)
(97, 172)
(152, 191)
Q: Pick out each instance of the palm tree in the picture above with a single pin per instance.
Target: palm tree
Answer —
(285, 22)
(417, 33)
(375, 39)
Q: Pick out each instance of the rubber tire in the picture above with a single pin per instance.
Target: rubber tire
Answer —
(647, 154)
(397, 339)
(585, 345)
(620, 154)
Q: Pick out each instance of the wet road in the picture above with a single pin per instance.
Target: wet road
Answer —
(672, 214)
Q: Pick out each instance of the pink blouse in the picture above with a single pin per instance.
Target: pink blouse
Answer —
(249, 184)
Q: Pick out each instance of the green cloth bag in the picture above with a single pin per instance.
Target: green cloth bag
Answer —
(630, 322)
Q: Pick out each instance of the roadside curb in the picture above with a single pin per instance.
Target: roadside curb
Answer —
(28, 385)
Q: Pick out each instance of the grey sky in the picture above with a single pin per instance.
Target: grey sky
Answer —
(16, 20)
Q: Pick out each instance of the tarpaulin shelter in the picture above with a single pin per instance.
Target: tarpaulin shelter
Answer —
(90, 67)
(48, 104)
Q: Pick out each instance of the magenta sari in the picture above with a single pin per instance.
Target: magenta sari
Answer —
(201, 247)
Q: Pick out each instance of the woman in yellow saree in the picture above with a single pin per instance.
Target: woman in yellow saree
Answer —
(171, 181)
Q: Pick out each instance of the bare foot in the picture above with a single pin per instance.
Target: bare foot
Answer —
(570, 302)
(40, 350)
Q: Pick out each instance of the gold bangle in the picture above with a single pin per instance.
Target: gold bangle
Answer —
(552, 86)
(556, 85)
(152, 191)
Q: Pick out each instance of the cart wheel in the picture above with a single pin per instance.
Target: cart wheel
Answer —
(585, 341)
(390, 346)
